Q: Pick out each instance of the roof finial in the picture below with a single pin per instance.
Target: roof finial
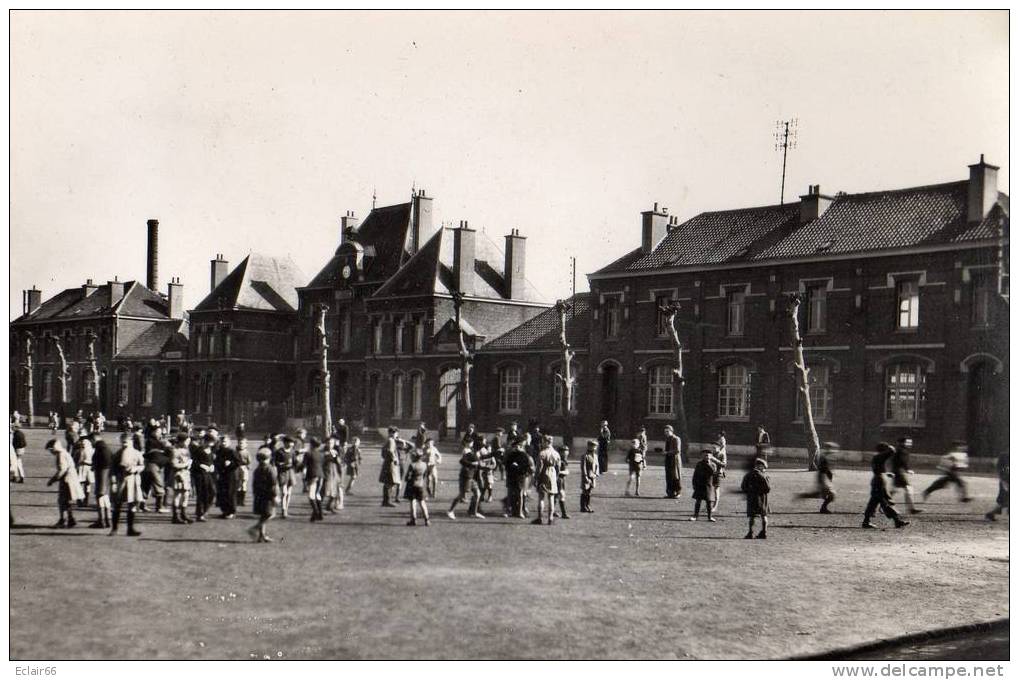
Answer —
(373, 197)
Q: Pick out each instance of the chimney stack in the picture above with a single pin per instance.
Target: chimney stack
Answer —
(813, 204)
(175, 299)
(152, 259)
(88, 288)
(116, 291)
(31, 299)
(654, 226)
(348, 223)
(464, 245)
(516, 257)
(983, 190)
(218, 271)
(421, 228)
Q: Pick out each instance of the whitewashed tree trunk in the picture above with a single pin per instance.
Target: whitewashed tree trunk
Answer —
(566, 376)
(466, 363)
(671, 311)
(64, 373)
(803, 375)
(323, 352)
(29, 380)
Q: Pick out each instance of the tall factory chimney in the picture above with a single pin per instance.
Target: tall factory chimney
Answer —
(152, 260)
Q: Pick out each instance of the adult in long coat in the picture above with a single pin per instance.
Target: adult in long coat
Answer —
(703, 485)
(757, 487)
(202, 466)
(228, 471)
(604, 442)
(673, 464)
(589, 471)
(102, 470)
(127, 468)
(66, 476)
(389, 475)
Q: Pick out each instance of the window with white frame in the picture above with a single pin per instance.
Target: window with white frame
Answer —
(148, 386)
(612, 317)
(819, 389)
(416, 394)
(509, 389)
(908, 295)
(662, 318)
(398, 380)
(983, 285)
(905, 393)
(733, 391)
(817, 304)
(659, 390)
(735, 302)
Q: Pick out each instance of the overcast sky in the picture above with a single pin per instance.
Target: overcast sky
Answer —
(257, 131)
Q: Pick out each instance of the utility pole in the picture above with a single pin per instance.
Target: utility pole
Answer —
(573, 282)
(785, 139)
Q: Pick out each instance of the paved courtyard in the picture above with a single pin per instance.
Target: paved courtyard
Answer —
(634, 580)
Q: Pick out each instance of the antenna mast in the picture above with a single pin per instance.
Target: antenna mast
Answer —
(785, 139)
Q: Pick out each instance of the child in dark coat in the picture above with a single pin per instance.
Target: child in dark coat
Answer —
(263, 490)
(756, 486)
(703, 488)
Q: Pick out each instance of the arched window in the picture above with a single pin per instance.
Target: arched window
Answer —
(733, 391)
(88, 380)
(905, 393)
(148, 386)
(509, 389)
(47, 385)
(398, 379)
(659, 390)
(208, 393)
(123, 386)
(416, 392)
(819, 388)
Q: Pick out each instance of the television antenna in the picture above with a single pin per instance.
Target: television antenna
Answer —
(785, 139)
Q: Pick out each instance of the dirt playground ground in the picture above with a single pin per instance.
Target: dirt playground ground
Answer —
(635, 580)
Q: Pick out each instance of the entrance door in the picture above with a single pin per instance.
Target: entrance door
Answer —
(373, 399)
(449, 385)
(173, 399)
(610, 392)
(983, 416)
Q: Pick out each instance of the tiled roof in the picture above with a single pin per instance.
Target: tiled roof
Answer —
(542, 331)
(157, 338)
(72, 303)
(853, 223)
(384, 236)
(430, 271)
(259, 282)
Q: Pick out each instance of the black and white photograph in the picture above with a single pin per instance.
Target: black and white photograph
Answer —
(489, 335)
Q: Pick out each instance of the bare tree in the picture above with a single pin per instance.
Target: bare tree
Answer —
(671, 312)
(92, 367)
(803, 373)
(566, 377)
(29, 379)
(323, 354)
(63, 372)
(466, 363)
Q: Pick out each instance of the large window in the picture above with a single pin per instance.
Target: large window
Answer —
(905, 393)
(377, 336)
(509, 389)
(148, 386)
(213, 335)
(419, 335)
(47, 385)
(733, 391)
(557, 390)
(416, 393)
(736, 307)
(816, 308)
(398, 383)
(199, 341)
(819, 388)
(612, 317)
(908, 294)
(983, 288)
(659, 391)
(123, 387)
(398, 336)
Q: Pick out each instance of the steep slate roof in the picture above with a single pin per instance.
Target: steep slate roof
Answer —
(259, 282)
(384, 236)
(879, 220)
(542, 332)
(72, 303)
(430, 271)
(158, 338)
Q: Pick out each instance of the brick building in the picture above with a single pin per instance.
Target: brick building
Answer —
(140, 343)
(905, 321)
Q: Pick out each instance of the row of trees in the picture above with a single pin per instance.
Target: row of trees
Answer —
(63, 371)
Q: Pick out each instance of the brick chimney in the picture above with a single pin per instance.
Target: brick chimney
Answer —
(88, 288)
(348, 223)
(152, 257)
(653, 228)
(983, 190)
(813, 204)
(218, 271)
(175, 299)
(421, 228)
(116, 291)
(31, 299)
(516, 257)
(464, 248)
